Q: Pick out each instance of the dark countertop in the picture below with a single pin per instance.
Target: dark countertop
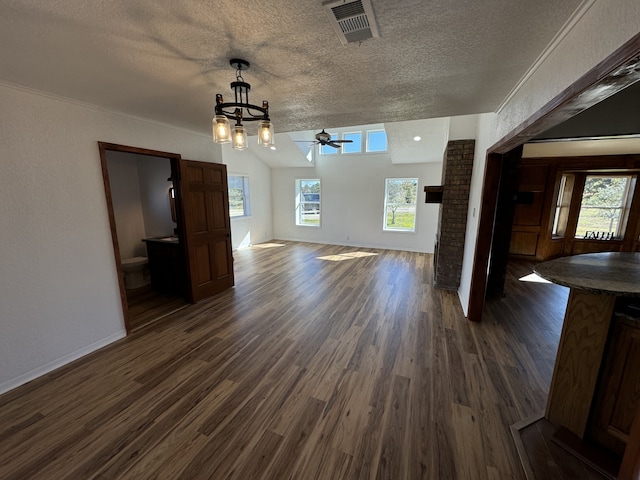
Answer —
(165, 239)
(613, 273)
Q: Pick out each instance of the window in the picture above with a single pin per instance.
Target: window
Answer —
(355, 146)
(376, 141)
(308, 202)
(400, 204)
(563, 203)
(238, 196)
(603, 207)
(327, 150)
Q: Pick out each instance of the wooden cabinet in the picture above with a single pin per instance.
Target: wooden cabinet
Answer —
(528, 211)
(618, 396)
(166, 265)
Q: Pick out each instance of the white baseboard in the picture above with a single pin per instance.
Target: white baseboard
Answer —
(59, 362)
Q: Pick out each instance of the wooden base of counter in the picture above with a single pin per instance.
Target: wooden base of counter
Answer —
(580, 352)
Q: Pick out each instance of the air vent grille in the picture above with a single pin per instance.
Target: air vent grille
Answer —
(353, 24)
(352, 21)
(347, 10)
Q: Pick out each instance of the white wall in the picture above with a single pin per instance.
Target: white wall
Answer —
(257, 227)
(127, 208)
(352, 189)
(484, 139)
(604, 27)
(153, 173)
(59, 296)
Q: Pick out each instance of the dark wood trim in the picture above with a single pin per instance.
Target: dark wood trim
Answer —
(617, 71)
(630, 468)
(492, 170)
(103, 147)
(503, 221)
(140, 151)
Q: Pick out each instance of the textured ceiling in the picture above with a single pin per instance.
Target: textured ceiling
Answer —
(166, 59)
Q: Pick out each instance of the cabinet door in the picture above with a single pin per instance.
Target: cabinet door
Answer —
(619, 391)
(205, 204)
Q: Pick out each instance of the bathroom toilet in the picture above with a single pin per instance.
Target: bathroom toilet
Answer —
(136, 272)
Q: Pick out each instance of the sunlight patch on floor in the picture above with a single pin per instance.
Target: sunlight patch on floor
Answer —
(533, 278)
(346, 256)
(267, 245)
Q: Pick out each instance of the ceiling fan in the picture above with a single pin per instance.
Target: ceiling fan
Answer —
(323, 138)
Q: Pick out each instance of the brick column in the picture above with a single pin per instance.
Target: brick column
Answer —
(452, 225)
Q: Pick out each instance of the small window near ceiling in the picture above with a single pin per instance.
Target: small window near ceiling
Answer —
(604, 207)
(376, 141)
(328, 150)
(356, 143)
(308, 202)
(239, 196)
(400, 204)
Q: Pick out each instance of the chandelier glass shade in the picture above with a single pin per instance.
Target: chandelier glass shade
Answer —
(240, 110)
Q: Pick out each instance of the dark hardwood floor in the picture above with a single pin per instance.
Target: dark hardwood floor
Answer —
(324, 362)
(146, 306)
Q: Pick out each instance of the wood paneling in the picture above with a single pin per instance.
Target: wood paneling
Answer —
(529, 213)
(523, 243)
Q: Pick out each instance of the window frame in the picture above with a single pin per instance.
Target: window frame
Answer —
(386, 142)
(246, 196)
(624, 208)
(330, 150)
(299, 204)
(344, 145)
(385, 227)
(364, 143)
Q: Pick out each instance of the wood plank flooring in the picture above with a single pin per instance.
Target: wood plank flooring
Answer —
(146, 305)
(324, 362)
(545, 459)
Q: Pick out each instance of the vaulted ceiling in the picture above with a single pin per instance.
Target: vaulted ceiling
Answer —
(166, 59)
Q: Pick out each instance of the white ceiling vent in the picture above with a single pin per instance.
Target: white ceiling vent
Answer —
(353, 21)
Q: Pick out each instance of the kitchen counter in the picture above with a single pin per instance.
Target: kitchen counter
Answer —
(597, 281)
(601, 273)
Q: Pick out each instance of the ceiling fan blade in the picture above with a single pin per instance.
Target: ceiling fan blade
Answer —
(333, 144)
(342, 141)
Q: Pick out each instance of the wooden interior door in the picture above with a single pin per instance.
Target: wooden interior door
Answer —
(207, 227)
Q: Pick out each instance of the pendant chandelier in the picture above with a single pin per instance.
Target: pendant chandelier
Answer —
(241, 111)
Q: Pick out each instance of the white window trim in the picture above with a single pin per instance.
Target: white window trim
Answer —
(247, 195)
(359, 152)
(364, 144)
(298, 203)
(384, 208)
(367, 141)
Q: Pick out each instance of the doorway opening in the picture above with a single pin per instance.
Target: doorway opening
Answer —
(617, 72)
(146, 228)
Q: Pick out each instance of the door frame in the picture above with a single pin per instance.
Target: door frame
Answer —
(616, 72)
(174, 158)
